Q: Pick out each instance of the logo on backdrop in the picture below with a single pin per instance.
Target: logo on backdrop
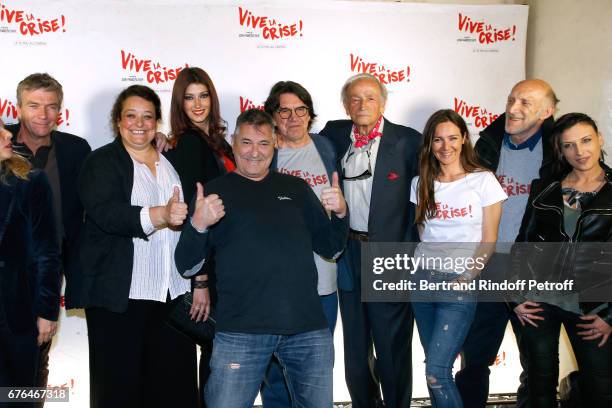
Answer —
(266, 27)
(8, 113)
(482, 31)
(145, 69)
(474, 115)
(69, 384)
(27, 23)
(8, 110)
(385, 75)
(246, 103)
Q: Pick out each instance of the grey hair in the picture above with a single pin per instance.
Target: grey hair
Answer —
(358, 77)
(256, 118)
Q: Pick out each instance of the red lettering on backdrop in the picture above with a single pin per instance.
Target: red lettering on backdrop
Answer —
(68, 384)
(30, 24)
(385, 75)
(512, 187)
(8, 109)
(246, 103)
(487, 34)
(500, 359)
(445, 211)
(63, 118)
(270, 28)
(155, 72)
(481, 116)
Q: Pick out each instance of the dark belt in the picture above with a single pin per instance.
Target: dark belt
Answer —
(359, 235)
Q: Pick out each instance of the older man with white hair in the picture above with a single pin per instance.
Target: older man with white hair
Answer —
(378, 160)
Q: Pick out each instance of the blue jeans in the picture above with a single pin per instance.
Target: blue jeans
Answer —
(239, 362)
(443, 327)
(274, 392)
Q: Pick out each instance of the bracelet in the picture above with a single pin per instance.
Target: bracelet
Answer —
(200, 284)
(194, 227)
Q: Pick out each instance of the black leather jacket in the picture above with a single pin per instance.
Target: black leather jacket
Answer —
(579, 254)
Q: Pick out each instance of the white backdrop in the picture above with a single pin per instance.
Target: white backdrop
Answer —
(431, 56)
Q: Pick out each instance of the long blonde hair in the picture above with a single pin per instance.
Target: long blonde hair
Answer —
(17, 166)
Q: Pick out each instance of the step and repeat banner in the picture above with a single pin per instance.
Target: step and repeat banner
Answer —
(429, 56)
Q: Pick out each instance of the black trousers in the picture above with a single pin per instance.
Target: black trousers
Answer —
(385, 326)
(542, 348)
(18, 362)
(136, 360)
(42, 374)
(482, 344)
(480, 351)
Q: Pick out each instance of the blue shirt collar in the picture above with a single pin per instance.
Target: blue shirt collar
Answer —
(530, 143)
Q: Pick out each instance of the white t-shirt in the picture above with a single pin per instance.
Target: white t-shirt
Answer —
(458, 218)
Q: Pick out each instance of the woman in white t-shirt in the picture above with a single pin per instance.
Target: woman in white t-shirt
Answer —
(458, 212)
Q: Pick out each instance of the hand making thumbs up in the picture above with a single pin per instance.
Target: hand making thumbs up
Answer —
(208, 210)
(332, 198)
(176, 211)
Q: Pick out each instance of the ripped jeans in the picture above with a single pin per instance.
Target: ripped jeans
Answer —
(443, 319)
(239, 362)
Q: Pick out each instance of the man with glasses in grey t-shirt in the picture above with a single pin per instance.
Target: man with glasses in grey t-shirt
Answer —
(312, 158)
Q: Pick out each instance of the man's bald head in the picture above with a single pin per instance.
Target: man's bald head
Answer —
(542, 87)
(529, 104)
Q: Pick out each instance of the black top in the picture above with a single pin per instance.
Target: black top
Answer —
(266, 275)
(194, 161)
(107, 250)
(29, 254)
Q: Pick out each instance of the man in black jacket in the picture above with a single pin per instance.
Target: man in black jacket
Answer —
(517, 148)
(60, 155)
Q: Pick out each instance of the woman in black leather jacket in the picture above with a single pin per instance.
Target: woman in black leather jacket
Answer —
(574, 209)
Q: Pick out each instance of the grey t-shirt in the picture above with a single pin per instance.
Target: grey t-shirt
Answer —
(305, 163)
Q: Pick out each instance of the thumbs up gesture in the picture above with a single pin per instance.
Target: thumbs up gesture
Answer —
(332, 198)
(208, 210)
(175, 211)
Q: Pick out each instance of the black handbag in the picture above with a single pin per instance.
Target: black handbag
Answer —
(201, 332)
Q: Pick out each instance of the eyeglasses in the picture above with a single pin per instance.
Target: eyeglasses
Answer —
(285, 113)
(363, 176)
